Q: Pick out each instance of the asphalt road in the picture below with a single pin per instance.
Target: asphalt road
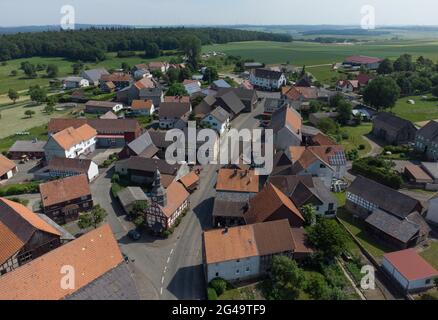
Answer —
(169, 268)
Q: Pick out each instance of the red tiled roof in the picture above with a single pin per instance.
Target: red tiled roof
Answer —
(362, 59)
(411, 265)
(66, 189)
(6, 165)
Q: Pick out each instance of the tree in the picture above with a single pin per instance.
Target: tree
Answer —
(13, 95)
(176, 89)
(328, 126)
(192, 47)
(152, 50)
(37, 94)
(184, 74)
(52, 70)
(328, 237)
(77, 67)
(93, 218)
(404, 63)
(344, 110)
(317, 286)
(286, 280)
(381, 93)
(385, 67)
(435, 91)
(309, 214)
(29, 69)
(50, 106)
(335, 100)
(174, 75)
(210, 75)
(29, 113)
(139, 207)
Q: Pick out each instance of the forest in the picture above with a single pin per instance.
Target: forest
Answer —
(92, 44)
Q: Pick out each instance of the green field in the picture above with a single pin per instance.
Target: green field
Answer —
(21, 82)
(431, 254)
(309, 53)
(423, 110)
(355, 138)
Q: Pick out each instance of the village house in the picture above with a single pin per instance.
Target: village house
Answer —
(346, 86)
(158, 66)
(66, 167)
(193, 88)
(248, 97)
(271, 204)
(356, 62)
(267, 79)
(272, 104)
(75, 82)
(111, 133)
(140, 71)
(391, 216)
(142, 170)
(299, 97)
(246, 252)
(286, 124)
(392, 129)
(432, 212)
(8, 168)
(102, 106)
(166, 204)
(172, 112)
(229, 208)
(109, 279)
(119, 79)
(426, 141)
(218, 119)
(31, 149)
(181, 99)
(129, 196)
(220, 84)
(324, 162)
(71, 142)
(307, 190)
(93, 75)
(109, 115)
(409, 270)
(190, 181)
(416, 176)
(431, 168)
(62, 200)
(142, 107)
(24, 236)
(143, 146)
(235, 180)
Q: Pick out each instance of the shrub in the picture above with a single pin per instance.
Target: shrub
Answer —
(345, 135)
(211, 294)
(115, 178)
(115, 189)
(219, 285)
(379, 170)
(21, 188)
(361, 147)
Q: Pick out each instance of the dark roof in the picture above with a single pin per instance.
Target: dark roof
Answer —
(151, 165)
(174, 109)
(242, 93)
(281, 164)
(28, 146)
(267, 74)
(220, 114)
(159, 138)
(230, 204)
(384, 197)
(430, 131)
(130, 195)
(143, 146)
(392, 121)
(116, 284)
(400, 229)
(232, 101)
(104, 104)
(70, 165)
(94, 74)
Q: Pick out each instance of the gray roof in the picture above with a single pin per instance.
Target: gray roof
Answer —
(159, 138)
(274, 103)
(143, 145)
(242, 93)
(74, 79)
(94, 74)
(150, 165)
(116, 284)
(230, 204)
(221, 84)
(268, 74)
(393, 122)
(69, 164)
(28, 146)
(384, 197)
(65, 235)
(429, 131)
(220, 114)
(174, 109)
(431, 168)
(279, 119)
(130, 195)
(232, 101)
(400, 229)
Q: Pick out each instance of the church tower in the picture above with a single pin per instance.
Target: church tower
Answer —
(159, 194)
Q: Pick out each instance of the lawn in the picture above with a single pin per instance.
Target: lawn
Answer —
(308, 53)
(245, 293)
(423, 110)
(39, 133)
(431, 254)
(355, 138)
(21, 82)
(13, 119)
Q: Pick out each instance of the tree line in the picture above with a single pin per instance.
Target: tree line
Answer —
(92, 44)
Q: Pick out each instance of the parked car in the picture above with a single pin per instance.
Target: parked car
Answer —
(134, 235)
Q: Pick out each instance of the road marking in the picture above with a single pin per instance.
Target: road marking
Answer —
(171, 251)
(161, 291)
(168, 259)
(162, 279)
(165, 269)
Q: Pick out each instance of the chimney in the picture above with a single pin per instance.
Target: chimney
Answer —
(226, 230)
(328, 150)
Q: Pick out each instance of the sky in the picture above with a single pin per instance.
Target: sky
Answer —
(218, 12)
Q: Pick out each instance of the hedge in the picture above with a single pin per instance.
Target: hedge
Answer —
(211, 293)
(382, 175)
(20, 188)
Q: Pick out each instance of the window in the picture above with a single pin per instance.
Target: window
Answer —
(237, 271)
(217, 274)
(238, 260)
(428, 281)
(247, 269)
(322, 166)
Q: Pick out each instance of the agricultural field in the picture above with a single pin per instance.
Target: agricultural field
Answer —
(309, 53)
(422, 110)
(21, 82)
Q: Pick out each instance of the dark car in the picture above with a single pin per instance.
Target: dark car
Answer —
(134, 235)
